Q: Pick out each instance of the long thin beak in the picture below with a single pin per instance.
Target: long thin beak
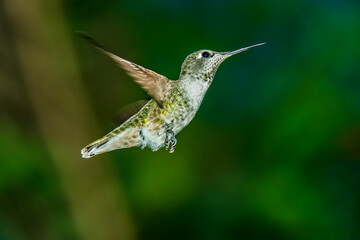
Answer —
(228, 54)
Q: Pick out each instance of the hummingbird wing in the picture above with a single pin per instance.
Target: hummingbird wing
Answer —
(129, 110)
(154, 84)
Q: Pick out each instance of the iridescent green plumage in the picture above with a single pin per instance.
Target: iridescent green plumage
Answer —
(173, 106)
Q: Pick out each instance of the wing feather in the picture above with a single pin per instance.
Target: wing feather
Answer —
(156, 85)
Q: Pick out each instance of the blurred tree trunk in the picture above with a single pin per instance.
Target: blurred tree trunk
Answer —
(52, 81)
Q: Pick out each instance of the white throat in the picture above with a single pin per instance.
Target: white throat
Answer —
(194, 90)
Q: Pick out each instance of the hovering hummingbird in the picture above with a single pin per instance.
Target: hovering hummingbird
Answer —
(173, 104)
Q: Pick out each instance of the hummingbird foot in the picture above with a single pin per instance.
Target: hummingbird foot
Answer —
(170, 141)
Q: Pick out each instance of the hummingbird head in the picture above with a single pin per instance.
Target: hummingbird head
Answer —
(203, 64)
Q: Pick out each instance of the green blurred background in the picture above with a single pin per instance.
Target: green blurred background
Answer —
(273, 152)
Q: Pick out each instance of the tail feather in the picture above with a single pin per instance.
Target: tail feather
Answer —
(126, 139)
(95, 148)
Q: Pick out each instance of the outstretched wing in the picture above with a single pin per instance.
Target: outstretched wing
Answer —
(129, 110)
(153, 83)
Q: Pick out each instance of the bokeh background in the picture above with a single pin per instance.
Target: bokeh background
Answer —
(273, 152)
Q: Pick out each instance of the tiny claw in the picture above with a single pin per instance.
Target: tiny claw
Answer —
(170, 141)
(172, 149)
(173, 145)
(167, 145)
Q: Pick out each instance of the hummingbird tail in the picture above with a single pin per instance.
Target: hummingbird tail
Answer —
(97, 147)
(113, 140)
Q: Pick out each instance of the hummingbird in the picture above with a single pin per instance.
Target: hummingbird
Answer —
(173, 105)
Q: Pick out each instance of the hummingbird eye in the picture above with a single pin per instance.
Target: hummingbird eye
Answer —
(205, 54)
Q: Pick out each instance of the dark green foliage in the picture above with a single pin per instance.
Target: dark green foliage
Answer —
(273, 152)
